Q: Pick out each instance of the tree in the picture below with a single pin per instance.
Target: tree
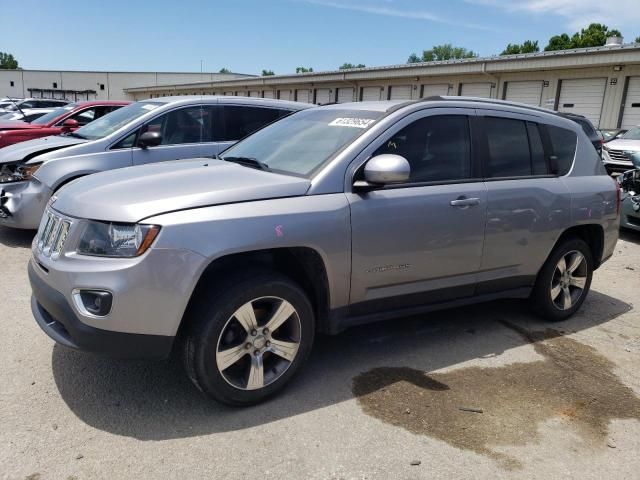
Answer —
(637, 40)
(559, 42)
(442, 52)
(267, 73)
(304, 70)
(224, 70)
(346, 66)
(7, 61)
(595, 35)
(527, 47)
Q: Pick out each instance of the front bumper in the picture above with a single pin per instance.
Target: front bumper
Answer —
(56, 318)
(614, 165)
(22, 203)
(630, 213)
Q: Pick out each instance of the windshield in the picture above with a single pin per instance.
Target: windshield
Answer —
(633, 134)
(111, 122)
(48, 117)
(302, 142)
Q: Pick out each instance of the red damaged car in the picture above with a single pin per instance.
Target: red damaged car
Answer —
(62, 120)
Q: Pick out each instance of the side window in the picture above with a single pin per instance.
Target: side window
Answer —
(240, 121)
(24, 105)
(184, 125)
(127, 142)
(508, 148)
(563, 143)
(437, 148)
(538, 160)
(85, 116)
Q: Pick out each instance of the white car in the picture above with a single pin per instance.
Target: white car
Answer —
(616, 154)
(25, 115)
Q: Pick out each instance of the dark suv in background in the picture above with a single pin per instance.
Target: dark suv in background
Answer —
(594, 137)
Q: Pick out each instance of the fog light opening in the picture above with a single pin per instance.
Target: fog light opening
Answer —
(94, 303)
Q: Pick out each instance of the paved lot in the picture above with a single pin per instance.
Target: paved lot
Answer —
(555, 403)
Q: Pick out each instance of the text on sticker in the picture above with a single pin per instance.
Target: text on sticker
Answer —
(352, 122)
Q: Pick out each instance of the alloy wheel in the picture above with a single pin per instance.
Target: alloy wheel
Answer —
(569, 280)
(258, 343)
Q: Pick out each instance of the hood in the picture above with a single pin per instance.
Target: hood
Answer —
(131, 194)
(16, 125)
(618, 144)
(31, 148)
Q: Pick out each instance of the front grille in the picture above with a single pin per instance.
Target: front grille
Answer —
(619, 156)
(52, 234)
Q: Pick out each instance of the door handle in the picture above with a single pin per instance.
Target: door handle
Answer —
(465, 202)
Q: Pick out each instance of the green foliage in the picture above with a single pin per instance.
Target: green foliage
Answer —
(637, 40)
(224, 70)
(346, 66)
(442, 52)
(304, 70)
(595, 35)
(7, 61)
(527, 47)
(267, 73)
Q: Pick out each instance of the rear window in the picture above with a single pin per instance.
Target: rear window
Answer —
(508, 145)
(563, 143)
(240, 121)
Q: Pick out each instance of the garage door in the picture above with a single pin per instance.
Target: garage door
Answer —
(303, 95)
(230, 93)
(371, 94)
(254, 93)
(524, 92)
(345, 95)
(323, 95)
(583, 96)
(400, 92)
(631, 115)
(481, 90)
(269, 94)
(434, 90)
(285, 95)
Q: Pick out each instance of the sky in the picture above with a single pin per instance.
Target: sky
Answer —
(247, 36)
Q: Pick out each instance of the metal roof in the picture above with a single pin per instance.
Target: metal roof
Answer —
(629, 53)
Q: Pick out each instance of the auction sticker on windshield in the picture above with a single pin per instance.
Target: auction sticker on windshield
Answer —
(352, 122)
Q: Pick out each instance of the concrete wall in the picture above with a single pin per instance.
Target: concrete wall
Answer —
(114, 82)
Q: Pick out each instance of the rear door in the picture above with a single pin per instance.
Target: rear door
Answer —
(421, 241)
(238, 121)
(527, 205)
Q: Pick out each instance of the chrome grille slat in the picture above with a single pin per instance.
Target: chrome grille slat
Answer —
(52, 234)
(619, 156)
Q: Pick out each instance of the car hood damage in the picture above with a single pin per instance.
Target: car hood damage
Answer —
(129, 195)
(25, 151)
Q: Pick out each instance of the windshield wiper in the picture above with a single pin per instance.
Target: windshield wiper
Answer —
(247, 162)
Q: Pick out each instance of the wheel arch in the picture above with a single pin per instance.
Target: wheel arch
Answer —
(304, 265)
(592, 234)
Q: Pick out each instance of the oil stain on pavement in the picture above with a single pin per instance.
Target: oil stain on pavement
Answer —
(573, 382)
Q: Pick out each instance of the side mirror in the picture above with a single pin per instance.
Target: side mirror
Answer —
(385, 169)
(70, 124)
(149, 139)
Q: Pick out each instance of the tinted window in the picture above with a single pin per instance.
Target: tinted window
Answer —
(183, 125)
(437, 148)
(241, 121)
(538, 160)
(508, 145)
(85, 116)
(115, 120)
(563, 143)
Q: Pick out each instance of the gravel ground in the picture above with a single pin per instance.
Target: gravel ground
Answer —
(486, 391)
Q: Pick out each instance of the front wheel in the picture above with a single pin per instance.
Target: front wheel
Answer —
(246, 342)
(563, 283)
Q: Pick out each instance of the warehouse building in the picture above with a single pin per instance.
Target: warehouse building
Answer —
(601, 83)
(84, 85)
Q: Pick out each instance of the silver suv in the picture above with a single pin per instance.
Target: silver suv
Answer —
(331, 217)
(156, 130)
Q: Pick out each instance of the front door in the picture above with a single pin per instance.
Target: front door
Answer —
(420, 242)
(183, 133)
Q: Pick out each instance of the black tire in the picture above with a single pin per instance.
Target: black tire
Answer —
(541, 297)
(210, 317)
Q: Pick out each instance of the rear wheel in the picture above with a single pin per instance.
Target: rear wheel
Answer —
(247, 342)
(564, 281)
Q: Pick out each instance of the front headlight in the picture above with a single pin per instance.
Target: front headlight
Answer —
(17, 172)
(105, 239)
